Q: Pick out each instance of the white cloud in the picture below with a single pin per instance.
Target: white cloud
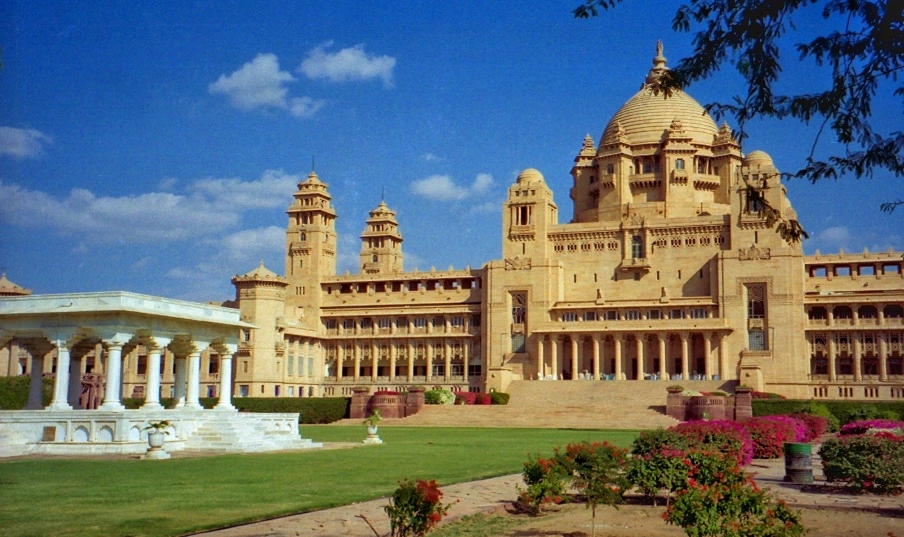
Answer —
(837, 235)
(442, 188)
(250, 245)
(348, 256)
(346, 65)
(306, 107)
(209, 207)
(430, 157)
(23, 143)
(258, 84)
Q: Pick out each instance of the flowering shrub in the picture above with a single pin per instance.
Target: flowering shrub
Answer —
(865, 463)
(816, 425)
(465, 398)
(659, 469)
(766, 395)
(720, 435)
(769, 437)
(415, 508)
(801, 432)
(545, 480)
(863, 426)
(597, 471)
(733, 507)
(499, 398)
(483, 399)
(653, 440)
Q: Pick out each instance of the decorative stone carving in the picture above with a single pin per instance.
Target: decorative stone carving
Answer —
(518, 263)
(753, 253)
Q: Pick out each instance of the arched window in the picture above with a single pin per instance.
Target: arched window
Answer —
(302, 236)
(610, 169)
(679, 164)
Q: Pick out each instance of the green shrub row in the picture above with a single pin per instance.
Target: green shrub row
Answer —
(865, 463)
(309, 409)
(842, 411)
(14, 392)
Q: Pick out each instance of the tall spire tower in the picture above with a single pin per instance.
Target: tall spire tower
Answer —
(310, 246)
(381, 243)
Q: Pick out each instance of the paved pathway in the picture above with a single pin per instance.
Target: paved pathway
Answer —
(489, 494)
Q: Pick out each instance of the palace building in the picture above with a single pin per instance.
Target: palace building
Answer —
(668, 269)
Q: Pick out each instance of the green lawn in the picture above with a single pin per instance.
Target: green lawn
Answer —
(178, 496)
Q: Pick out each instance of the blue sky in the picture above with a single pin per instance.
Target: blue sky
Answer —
(154, 147)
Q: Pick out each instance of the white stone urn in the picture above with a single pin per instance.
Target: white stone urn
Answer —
(157, 431)
(371, 422)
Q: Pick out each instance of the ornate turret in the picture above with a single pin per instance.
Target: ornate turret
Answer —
(381, 243)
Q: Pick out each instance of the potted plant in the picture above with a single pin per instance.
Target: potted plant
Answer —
(157, 431)
(372, 421)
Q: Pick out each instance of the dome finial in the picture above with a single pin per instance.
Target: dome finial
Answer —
(658, 65)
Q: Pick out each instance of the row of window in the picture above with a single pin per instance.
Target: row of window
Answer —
(404, 286)
(819, 365)
(823, 271)
(867, 311)
(637, 248)
(401, 371)
(290, 366)
(385, 324)
(634, 315)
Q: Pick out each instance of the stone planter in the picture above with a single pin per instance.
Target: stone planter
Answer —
(707, 407)
(155, 446)
(372, 437)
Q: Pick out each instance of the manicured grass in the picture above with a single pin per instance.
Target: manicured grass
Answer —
(177, 496)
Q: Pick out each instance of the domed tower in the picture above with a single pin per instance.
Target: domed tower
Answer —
(381, 243)
(527, 215)
(310, 247)
(658, 157)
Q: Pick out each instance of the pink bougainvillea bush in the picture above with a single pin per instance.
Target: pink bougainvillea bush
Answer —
(769, 436)
(483, 399)
(465, 398)
(816, 425)
(801, 431)
(725, 436)
(864, 426)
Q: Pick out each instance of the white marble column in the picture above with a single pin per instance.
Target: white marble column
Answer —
(225, 402)
(618, 356)
(61, 385)
(152, 384)
(193, 379)
(113, 389)
(179, 381)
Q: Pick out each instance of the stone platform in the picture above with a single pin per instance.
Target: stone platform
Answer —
(122, 432)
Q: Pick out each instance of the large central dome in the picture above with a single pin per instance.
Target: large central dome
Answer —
(645, 117)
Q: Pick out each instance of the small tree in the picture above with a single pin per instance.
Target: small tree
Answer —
(597, 470)
(545, 484)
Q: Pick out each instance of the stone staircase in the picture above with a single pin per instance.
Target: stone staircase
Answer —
(231, 432)
(564, 405)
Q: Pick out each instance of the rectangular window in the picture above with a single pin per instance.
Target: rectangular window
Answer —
(348, 325)
(457, 322)
(439, 370)
(590, 316)
(243, 390)
(458, 370)
(311, 366)
(290, 365)
(475, 320)
(698, 313)
(676, 314)
(519, 307)
(610, 315)
(756, 301)
(756, 340)
(142, 368)
(474, 370)
(569, 316)
(213, 365)
(655, 314)
(632, 315)
(518, 343)
(420, 322)
(291, 391)
(275, 390)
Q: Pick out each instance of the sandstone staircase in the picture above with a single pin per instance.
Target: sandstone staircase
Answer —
(564, 404)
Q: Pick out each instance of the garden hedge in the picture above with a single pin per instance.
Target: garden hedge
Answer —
(14, 392)
(844, 411)
(309, 409)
